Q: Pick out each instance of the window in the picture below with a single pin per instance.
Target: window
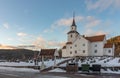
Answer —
(70, 47)
(109, 51)
(75, 45)
(83, 44)
(71, 35)
(96, 45)
(83, 51)
(75, 52)
(71, 52)
(95, 51)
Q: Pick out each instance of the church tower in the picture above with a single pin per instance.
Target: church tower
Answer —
(73, 26)
(73, 34)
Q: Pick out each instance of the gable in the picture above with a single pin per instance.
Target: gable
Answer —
(80, 40)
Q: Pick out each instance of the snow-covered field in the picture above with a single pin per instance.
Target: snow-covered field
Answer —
(57, 70)
(4, 64)
(104, 62)
(18, 69)
(47, 63)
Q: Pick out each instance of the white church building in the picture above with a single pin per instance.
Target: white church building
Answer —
(80, 45)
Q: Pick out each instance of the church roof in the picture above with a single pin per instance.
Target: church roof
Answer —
(108, 45)
(72, 32)
(73, 23)
(47, 52)
(95, 38)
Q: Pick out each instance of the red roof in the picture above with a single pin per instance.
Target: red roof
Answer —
(108, 45)
(69, 43)
(47, 52)
(96, 38)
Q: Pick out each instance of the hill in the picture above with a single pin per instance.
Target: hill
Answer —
(14, 54)
(116, 41)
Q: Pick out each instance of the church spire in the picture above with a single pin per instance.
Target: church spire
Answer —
(73, 23)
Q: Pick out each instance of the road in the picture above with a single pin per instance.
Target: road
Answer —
(14, 74)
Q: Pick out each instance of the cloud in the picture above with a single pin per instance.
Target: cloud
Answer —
(68, 21)
(48, 30)
(9, 39)
(102, 5)
(63, 22)
(100, 33)
(91, 21)
(6, 25)
(40, 42)
(90, 32)
(88, 22)
(21, 34)
(2, 46)
(55, 44)
(43, 43)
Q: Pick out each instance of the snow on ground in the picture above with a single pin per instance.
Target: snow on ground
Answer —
(109, 71)
(114, 62)
(104, 63)
(57, 70)
(18, 69)
(51, 62)
(16, 64)
(47, 63)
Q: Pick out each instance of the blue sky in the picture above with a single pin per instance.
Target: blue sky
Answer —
(44, 23)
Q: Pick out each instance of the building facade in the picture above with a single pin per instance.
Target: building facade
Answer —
(79, 45)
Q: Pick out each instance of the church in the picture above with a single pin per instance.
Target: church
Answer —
(80, 45)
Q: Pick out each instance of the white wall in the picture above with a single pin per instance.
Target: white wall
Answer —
(107, 53)
(99, 48)
(79, 43)
(64, 53)
(73, 38)
(83, 45)
(56, 53)
(77, 47)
